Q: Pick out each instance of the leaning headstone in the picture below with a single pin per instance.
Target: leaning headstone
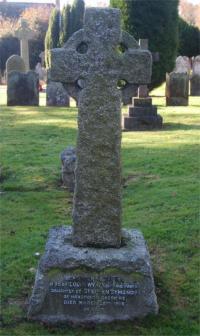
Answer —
(142, 115)
(15, 63)
(24, 34)
(22, 89)
(195, 78)
(56, 94)
(177, 89)
(95, 272)
(68, 160)
(182, 65)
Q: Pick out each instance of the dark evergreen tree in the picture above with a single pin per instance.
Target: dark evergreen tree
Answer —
(158, 22)
(9, 45)
(53, 33)
(189, 39)
(77, 13)
(65, 24)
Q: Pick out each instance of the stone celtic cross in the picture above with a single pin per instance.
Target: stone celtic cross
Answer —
(24, 34)
(92, 59)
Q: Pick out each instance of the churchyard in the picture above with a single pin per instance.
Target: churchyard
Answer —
(99, 193)
(160, 197)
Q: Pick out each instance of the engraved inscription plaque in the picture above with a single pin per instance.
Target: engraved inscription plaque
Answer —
(94, 292)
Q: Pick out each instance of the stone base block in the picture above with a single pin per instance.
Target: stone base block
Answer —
(90, 285)
(142, 111)
(142, 101)
(176, 101)
(143, 123)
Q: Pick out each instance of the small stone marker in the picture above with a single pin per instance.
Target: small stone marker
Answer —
(24, 34)
(95, 272)
(195, 78)
(142, 114)
(22, 89)
(68, 160)
(56, 95)
(15, 63)
(177, 89)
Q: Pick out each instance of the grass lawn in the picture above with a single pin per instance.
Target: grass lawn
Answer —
(160, 198)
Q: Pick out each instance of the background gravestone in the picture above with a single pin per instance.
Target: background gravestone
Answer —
(177, 83)
(195, 78)
(95, 272)
(177, 89)
(56, 95)
(22, 89)
(15, 63)
(142, 115)
(183, 65)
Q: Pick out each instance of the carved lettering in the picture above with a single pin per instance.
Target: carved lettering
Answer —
(95, 291)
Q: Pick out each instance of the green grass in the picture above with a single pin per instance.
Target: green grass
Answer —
(160, 198)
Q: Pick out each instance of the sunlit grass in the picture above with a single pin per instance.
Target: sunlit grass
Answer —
(160, 197)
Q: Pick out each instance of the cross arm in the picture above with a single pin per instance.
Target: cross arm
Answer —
(136, 66)
(68, 64)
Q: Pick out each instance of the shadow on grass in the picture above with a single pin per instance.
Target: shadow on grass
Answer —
(179, 126)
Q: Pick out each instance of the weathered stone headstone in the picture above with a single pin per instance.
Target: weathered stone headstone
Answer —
(68, 160)
(56, 94)
(15, 63)
(22, 89)
(142, 115)
(183, 65)
(95, 272)
(24, 34)
(177, 89)
(195, 78)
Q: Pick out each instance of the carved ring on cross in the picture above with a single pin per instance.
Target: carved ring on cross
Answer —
(77, 42)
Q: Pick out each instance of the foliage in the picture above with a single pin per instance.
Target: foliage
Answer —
(37, 18)
(158, 22)
(53, 33)
(7, 26)
(190, 12)
(77, 12)
(9, 45)
(65, 24)
(189, 39)
(161, 199)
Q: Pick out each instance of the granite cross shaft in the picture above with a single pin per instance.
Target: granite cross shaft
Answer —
(92, 58)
